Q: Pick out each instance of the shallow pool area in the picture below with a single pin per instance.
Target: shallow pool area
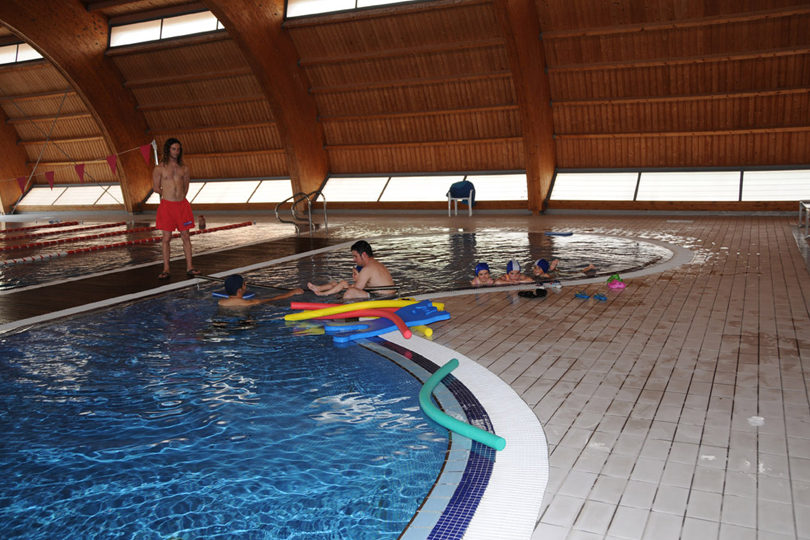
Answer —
(171, 418)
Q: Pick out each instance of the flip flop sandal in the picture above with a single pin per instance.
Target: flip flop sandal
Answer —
(600, 297)
(193, 272)
(164, 275)
(583, 295)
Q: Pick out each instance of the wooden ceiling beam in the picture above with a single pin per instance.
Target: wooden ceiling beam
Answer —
(662, 62)
(205, 129)
(257, 29)
(60, 141)
(200, 102)
(669, 134)
(416, 114)
(48, 25)
(191, 77)
(47, 118)
(422, 144)
(680, 97)
(678, 25)
(406, 51)
(520, 25)
(410, 82)
(37, 95)
(12, 165)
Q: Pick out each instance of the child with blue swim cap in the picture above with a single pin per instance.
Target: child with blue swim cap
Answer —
(513, 275)
(482, 275)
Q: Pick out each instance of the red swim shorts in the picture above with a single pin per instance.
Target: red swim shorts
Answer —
(173, 215)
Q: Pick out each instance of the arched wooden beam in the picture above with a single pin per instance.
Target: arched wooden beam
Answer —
(74, 41)
(256, 27)
(12, 164)
(520, 26)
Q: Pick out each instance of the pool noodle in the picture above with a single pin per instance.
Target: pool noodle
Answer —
(391, 316)
(343, 308)
(447, 421)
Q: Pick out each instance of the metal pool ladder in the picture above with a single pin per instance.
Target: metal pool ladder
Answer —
(296, 218)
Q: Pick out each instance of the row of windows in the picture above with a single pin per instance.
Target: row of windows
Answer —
(19, 52)
(721, 186)
(789, 185)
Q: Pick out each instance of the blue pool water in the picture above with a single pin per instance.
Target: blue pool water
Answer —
(441, 262)
(172, 418)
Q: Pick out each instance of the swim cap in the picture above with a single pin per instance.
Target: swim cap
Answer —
(481, 266)
(233, 284)
(543, 264)
(512, 265)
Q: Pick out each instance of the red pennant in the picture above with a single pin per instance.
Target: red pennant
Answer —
(49, 176)
(145, 152)
(80, 171)
(21, 181)
(111, 161)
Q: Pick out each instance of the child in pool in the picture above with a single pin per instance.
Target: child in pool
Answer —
(482, 276)
(543, 269)
(236, 286)
(513, 275)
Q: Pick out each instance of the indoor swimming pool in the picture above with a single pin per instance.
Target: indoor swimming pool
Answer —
(173, 418)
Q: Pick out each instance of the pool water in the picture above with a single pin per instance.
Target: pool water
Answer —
(52, 269)
(173, 418)
(441, 262)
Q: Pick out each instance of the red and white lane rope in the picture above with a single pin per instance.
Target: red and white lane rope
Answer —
(150, 240)
(43, 226)
(51, 233)
(75, 239)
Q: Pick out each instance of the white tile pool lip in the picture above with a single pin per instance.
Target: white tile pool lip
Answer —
(511, 503)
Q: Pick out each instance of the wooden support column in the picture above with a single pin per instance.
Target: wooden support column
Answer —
(520, 26)
(12, 164)
(74, 41)
(256, 27)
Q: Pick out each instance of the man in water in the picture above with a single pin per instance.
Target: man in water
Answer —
(170, 180)
(236, 287)
(372, 274)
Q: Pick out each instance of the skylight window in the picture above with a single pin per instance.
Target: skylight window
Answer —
(300, 8)
(19, 52)
(167, 28)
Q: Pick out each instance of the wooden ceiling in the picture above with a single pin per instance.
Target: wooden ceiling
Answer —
(446, 85)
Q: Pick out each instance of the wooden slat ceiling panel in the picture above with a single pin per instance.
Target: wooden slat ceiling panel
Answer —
(46, 106)
(63, 129)
(478, 92)
(129, 8)
(726, 113)
(446, 127)
(452, 24)
(784, 148)
(180, 93)
(238, 166)
(456, 157)
(578, 14)
(178, 118)
(64, 173)
(416, 66)
(83, 151)
(666, 43)
(33, 78)
(789, 71)
(206, 57)
(230, 140)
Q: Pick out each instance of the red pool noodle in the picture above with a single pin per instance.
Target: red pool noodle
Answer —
(385, 314)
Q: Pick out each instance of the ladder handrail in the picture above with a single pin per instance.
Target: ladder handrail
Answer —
(317, 193)
(300, 197)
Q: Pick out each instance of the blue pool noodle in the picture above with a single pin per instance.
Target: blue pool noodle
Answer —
(447, 421)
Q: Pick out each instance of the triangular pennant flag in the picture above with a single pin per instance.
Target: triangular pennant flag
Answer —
(21, 181)
(49, 176)
(145, 152)
(80, 171)
(111, 161)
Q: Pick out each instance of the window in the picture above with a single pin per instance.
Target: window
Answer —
(42, 196)
(594, 186)
(499, 187)
(167, 28)
(418, 188)
(112, 195)
(226, 192)
(80, 196)
(689, 186)
(20, 52)
(300, 8)
(354, 189)
(776, 185)
(272, 191)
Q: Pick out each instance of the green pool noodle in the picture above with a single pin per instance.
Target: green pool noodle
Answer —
(447, 421)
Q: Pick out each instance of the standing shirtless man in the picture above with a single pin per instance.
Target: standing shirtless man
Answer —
(170, 180)
(372, 274)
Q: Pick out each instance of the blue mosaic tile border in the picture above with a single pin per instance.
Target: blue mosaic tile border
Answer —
(456, 517)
